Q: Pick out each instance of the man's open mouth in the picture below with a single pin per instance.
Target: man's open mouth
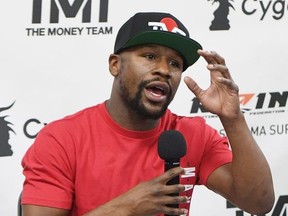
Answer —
(157, 91)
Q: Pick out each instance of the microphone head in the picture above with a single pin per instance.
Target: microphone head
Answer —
(171, 145)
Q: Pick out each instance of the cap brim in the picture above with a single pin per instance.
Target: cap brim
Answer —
(187, 47)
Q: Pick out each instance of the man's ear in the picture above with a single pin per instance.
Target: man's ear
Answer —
(114, 64)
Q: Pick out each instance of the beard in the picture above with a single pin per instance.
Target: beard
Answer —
(136, 104)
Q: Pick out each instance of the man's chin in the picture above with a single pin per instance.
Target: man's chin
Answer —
(152, 112)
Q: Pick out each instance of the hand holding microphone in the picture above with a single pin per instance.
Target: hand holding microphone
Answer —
(161, 194)
(149, 198)
(172, 147)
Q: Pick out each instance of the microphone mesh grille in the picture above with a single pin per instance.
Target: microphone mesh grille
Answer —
(171, 145)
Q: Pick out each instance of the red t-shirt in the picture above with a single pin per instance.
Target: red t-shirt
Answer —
(86, 159)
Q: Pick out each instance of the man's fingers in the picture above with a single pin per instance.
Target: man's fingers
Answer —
(174, 189)
(229, 83)
(175, 199)
(170, 200)
(160, 190)
(174, 211)
(193, 86)
(169, 174)
(212, 57)
(207, 56)
(219, 69)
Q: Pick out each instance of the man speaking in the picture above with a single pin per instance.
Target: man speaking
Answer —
(103, 160)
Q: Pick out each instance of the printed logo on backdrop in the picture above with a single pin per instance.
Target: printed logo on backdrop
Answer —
(260, 9)
(280, 209)
(5, 129)
(31, 127)
(220, 21)
(68, 18)
(255, 104)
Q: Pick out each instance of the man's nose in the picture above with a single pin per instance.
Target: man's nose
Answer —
(163, 68)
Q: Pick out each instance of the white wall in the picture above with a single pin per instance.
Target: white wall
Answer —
(50, 76)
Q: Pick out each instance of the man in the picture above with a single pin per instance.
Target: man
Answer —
(104, 161)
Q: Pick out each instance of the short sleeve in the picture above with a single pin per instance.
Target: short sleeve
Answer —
(216, 154)
(48, 170)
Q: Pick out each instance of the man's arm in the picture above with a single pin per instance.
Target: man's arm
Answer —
(145, 199)
(34, 210)
(247, 181)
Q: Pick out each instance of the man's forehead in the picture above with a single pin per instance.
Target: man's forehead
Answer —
(155, 47)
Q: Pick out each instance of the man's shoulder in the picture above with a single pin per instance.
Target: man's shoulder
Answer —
(73, 121)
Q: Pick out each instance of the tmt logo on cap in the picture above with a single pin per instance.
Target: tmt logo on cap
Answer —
(167, 24)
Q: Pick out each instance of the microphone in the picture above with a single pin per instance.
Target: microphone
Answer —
(171, 147)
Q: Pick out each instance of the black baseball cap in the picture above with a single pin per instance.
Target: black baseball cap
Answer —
(161, 29)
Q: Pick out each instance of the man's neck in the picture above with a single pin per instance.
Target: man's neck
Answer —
(128, 118)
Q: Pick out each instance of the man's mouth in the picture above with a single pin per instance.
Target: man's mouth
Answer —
(157, 91)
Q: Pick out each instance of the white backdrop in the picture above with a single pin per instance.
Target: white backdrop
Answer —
(48, 75)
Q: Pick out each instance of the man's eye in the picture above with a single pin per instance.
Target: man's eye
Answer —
(150, 56)
(175, 63)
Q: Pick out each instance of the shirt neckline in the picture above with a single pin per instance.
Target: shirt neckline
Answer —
(124, 131)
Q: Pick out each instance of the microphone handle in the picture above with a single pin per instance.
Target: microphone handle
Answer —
(175, 180)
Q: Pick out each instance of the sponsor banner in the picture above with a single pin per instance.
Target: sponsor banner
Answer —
(54, 62)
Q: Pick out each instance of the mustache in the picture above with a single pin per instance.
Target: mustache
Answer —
(146, 82)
